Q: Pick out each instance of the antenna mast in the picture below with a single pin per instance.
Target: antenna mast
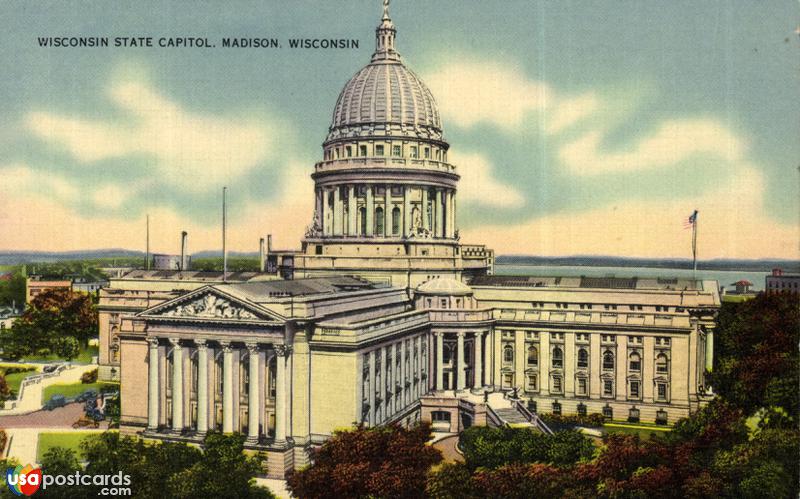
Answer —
(147, 244)
(224, 249)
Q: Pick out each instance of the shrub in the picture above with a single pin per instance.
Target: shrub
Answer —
(89, 376)
(3, 440)
(594, 419)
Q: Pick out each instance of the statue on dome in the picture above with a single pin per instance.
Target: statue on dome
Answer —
(315, 229)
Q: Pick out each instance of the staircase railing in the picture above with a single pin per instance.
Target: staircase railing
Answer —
(532, 417)
(493, 418)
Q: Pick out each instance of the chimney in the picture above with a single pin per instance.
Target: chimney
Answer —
(184, 256)
(269, 243)
(262, 257)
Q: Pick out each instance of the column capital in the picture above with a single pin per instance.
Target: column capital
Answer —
(153, 341)
(282, 350)
(201, 344)
(461, 334)
(226, 346)
(252, 347)
(175, 342)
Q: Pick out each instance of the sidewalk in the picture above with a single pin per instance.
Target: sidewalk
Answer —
(25, 441)
(32, 393)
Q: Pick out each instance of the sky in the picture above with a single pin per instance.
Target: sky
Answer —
(578, 128)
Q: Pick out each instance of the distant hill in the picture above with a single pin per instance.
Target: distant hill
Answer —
(764, 265)
(752, 265)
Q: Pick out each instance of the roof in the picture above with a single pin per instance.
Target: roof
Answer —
(188, 275)
(633, 283)
(743, 282)
(444, 286)
(259, 290)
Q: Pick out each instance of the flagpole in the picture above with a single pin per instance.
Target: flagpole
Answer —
(694, 246)
(224, 249)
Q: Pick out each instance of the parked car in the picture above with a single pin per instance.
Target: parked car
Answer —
(87, 395)
(55, 402)
(49, 368)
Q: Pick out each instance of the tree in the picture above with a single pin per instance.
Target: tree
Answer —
(5, 390)
(387, 461)
(451, 481)
(55, 322)
(62, 461)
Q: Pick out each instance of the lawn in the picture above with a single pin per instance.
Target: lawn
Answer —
(643, 430)
(15, 379)
(73, 389)
(84, 356)
(67, 439)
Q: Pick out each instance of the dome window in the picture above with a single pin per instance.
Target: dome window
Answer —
(396, 151)
(379, 150)
(414, 152)
(362, 150)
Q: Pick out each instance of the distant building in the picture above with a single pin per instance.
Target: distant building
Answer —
(35, 285)
(742, 287)
(782, 282)
(84, 285)
(8, 314)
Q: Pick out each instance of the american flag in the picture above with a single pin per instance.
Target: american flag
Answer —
(689, 222)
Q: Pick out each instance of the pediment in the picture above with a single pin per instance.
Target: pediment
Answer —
(209, 304)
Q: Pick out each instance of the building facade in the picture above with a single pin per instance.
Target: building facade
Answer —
(389, 318)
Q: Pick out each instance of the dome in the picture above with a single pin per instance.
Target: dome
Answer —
(444, 287)
(385, 97)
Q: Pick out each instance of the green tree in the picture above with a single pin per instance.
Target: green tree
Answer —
(62, 461)
(387, 461)
(5, 390)
(451, 481)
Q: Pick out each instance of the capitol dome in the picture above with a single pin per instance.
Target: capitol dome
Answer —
(385, 97)
(444, 287)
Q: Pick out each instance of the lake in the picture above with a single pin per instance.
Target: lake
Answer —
(724, 277)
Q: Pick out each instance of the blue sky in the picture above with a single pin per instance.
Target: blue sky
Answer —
(578, 127)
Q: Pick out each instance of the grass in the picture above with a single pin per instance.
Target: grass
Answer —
(72, 389)
(67, 439)
(84, 356)
(15, 380)
(737, 298)
(644, 431)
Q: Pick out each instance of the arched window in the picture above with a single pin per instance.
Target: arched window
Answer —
(662, 364)
(558, 357)
(583, 358)
(379, 221)
(608, 360)
(635, 362)
(447, 353)
(533, 356)
(362, 215)
(396, 221)
(508, 354)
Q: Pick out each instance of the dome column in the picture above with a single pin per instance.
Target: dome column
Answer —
(387, 211)
(425, 220)
(326, 224)
(370, 211)
(440, 232)
(406, 211)
(338, 208)
(352, 226)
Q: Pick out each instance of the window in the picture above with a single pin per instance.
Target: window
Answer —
(414, 152)
(362, 150)
(633, 392)
(379, 221)
(633, 415)
(661, 391)
(662, 364)
(440, 416)
(557, 408)
(508, 380)
(581, 337)
(661, 417)
(443, 303)
(608, 388)
(636, 340)
(583, 358)
(608, 360)
(396, 151)
(531, 383)
(581, 409)
(447, 353)
(533, 356)
(379, 150)
(581, 389)
(635, 362)
(610, 307)
(362, 214)
(396, 221)
(427, 153)
(608, 412)
(508, 354)
(318, 249)
(557, 385)
(349, 151)
(558, 358)
(586, 306)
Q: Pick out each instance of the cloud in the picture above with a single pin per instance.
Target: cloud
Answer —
(673, 142)
(21, 178)
(478, 184)
(569, 111)
(196, 152)
(471, 92)
(653, 228)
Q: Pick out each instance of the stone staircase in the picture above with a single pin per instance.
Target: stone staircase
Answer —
(510, 415)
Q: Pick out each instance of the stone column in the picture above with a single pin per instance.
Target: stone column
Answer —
(338, 215)
(387, 212)
(439, 360)
(177, 385)
(459, 365)
(449, 222)
(709, 349)
(152, 385)
(280, 393)
(478, 360)
(352, 211)
(421, 386)
(253, 406)
(370, 211)
(227, 387)
(425, 220)
(440, 213)
(406, 210)
(326, 225)
(372, 388)
(202, 386)
(403, 374)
